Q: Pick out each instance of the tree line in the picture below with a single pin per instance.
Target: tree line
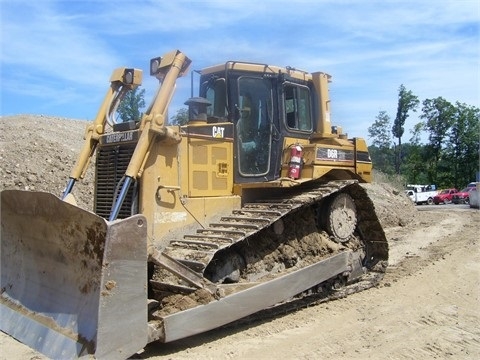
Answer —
(450, 155)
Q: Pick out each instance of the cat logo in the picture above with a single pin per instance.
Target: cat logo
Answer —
(217, 131)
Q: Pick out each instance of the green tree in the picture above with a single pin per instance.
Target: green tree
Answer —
(381, 151)
(131, 105)
(414, 164)
(379, 131)
(463, 144)
(406, 102)
(438, 114)
(180, 118)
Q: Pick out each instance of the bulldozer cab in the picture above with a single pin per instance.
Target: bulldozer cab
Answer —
(246, 99)
(265, 108)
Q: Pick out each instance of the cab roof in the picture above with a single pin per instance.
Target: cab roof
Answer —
(258, 68)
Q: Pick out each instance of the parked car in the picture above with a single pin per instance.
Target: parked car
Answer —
(475, 198)
(462, 197)
(444, 196)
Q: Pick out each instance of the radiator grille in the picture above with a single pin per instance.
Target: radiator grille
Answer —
(112, 162)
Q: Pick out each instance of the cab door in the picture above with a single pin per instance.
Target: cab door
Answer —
(256, 153)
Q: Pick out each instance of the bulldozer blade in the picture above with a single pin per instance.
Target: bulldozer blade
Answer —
(72, 283)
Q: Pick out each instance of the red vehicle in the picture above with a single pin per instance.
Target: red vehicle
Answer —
(444, 196)
(462, 197)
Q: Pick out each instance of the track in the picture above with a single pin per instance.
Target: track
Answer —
(272, 236)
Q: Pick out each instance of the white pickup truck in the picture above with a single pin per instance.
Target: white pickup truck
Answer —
(421, 194)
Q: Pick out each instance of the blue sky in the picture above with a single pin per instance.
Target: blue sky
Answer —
(57, 55)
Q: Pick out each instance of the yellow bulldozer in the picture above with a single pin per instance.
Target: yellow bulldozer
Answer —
(254, 203)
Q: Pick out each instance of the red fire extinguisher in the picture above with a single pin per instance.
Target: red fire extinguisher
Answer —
(295, 164)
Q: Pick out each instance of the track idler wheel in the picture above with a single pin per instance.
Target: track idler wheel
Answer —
(340, 217)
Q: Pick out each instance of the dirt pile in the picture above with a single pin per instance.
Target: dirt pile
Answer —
(37, 153)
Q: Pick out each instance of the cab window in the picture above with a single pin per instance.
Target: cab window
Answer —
(297, 107)
(215, 92)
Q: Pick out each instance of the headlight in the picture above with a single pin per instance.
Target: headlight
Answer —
(128, 76)
(154, 65)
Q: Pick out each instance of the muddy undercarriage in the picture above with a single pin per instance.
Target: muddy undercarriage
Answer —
(271, 238)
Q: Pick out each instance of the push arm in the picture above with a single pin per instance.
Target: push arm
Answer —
(166, 69)
(121, 81)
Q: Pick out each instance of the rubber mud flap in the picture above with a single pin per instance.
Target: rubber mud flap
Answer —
(72, 283)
